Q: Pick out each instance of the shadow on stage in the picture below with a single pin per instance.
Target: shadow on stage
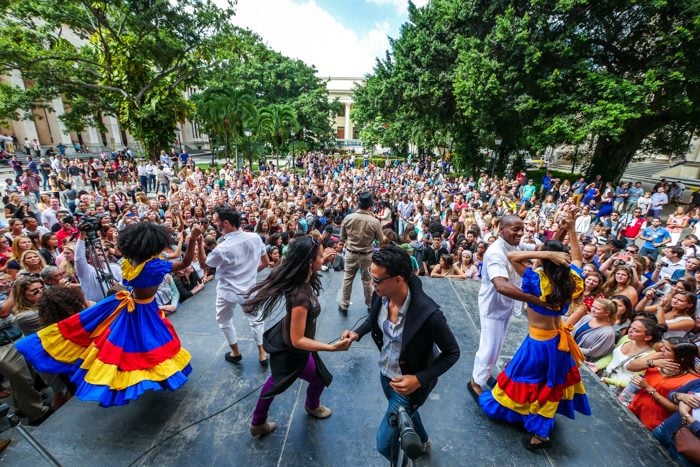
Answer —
(206, 422)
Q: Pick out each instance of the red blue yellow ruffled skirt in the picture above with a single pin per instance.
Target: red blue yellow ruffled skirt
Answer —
(540, 381)
(114, 351)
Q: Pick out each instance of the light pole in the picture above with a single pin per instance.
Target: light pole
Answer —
(247, 134)
(498, 142)
(293, 134)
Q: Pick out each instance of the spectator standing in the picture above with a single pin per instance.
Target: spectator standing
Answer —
(358, 231)
(654, 237)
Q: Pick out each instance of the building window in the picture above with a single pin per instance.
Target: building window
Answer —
(342, 110)
(341, 132)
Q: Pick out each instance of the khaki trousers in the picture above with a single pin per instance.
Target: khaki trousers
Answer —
(353, 262)
(15, 369)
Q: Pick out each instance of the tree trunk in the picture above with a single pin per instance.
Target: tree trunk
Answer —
(610, 158)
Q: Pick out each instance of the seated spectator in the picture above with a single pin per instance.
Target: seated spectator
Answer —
(188, 283)
(273, 256)
(168, 295)
(687, 400)
(466, 266)
(58, 303)
(625, 313)
(637, 344)
(594, 333)
(445, 268)
(678, 314)
(651, 404)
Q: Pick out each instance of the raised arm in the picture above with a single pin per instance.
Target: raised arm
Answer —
(189, 254)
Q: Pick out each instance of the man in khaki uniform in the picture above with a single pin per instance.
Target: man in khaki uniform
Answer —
(359, 230)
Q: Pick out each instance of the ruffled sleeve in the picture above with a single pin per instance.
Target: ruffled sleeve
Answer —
(152, 274)
(577, 278)
(531, 282)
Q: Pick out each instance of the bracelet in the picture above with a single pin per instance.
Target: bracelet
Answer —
(684, 420)
(650, 363)
(652, 393)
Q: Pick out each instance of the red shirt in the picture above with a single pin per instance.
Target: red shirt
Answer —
(64, 235)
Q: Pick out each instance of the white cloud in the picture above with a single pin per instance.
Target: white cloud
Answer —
(401, 5)
(306, 31)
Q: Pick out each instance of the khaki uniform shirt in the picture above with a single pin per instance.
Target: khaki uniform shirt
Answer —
(359, 229)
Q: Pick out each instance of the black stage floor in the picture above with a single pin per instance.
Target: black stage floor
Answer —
(83, 434)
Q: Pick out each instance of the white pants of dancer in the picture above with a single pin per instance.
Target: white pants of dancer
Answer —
(493, 334)
(224, 318)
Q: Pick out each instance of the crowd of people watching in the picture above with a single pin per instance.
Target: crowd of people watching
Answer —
(634, 322)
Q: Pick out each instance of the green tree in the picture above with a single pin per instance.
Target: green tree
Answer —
(275, 123)
(132, 59)
(224, 113)
(273, 78)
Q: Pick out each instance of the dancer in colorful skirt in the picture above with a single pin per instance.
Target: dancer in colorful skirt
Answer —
(123, 346)
(543, 377)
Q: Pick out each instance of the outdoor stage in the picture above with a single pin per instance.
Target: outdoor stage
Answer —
(83, 434)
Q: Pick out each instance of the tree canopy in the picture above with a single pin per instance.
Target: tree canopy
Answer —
(539, 73)
(131, 59)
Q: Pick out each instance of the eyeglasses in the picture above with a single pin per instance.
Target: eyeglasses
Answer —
(378, 281)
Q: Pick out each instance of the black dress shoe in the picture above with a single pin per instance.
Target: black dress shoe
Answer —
(231, 359)
(342, 310)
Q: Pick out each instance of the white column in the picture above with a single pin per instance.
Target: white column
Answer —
(94, 142)
(63, 135)
(27, 127)
(348, 126)
(115, 134)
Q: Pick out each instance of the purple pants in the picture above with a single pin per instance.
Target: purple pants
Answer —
(313, 392)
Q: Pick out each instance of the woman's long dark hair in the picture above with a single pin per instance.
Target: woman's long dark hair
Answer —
(559, 276)
(286, 280)
(684, 352)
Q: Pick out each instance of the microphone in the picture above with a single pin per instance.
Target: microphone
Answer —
(410, 441)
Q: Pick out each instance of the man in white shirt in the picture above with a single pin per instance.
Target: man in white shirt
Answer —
(48, 215)
(236, 272)
(499, 297)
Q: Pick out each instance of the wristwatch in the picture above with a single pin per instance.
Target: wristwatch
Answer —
(650, 363)
(684, 420)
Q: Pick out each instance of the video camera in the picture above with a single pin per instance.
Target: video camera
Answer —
(91, 225)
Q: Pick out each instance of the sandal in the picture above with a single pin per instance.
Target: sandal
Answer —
(532, 447)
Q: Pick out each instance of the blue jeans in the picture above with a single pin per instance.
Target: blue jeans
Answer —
(388, 436)
(664, 434)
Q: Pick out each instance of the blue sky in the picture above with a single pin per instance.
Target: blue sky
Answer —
(338, 37)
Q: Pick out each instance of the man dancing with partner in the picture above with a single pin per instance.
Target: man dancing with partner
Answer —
(237, 260)
(408, 327)
(499, 298)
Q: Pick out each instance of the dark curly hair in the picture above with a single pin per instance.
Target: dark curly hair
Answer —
(143, 240)
(58, 303)
(559, 276)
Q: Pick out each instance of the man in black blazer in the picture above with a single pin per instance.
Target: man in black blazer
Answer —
(408, 328)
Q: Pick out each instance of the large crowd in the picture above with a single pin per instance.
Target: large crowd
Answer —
(634, 321)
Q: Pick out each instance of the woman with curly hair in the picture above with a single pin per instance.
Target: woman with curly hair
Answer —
(122, 346)
(543, 377)
(58, 303)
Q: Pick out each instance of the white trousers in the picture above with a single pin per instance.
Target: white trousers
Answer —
(493, 334)
(224, 318)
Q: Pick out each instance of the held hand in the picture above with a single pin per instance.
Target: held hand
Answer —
(689, 399)
(352, 336)
(684, 409)
(341, 345)
(667, 364)
(560, 258)
(639, 381)
(196, 231)
(405, 384)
